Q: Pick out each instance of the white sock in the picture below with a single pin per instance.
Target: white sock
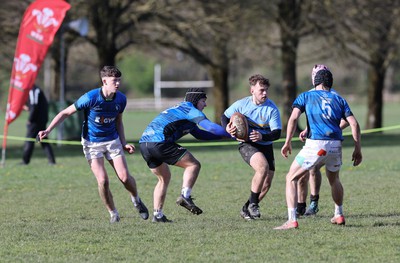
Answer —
(158, 213)
(338, 210)
(113, 212)
(186, 191)
(135, 200)
(292, 214)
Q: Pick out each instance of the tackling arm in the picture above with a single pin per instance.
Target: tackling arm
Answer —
(213, 128)
(212, 131)
(204, 135)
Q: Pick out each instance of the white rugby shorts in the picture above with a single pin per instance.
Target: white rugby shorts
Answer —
(109, 149)
(316, 152)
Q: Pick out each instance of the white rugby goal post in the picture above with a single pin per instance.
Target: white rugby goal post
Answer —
(158, 85)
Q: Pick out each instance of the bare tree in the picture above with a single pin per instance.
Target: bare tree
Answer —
(294, 24)
(204, 31)
(289, 21)
(369, 31)
(114, 25)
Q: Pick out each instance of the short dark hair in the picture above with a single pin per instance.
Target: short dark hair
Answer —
(323, 77)
(110, 71)
(264, 82)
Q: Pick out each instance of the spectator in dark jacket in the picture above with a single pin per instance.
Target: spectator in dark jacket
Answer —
(38, 116)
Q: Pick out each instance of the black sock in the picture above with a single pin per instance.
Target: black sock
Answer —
(254, 197)
(301, 205)
(314, 198)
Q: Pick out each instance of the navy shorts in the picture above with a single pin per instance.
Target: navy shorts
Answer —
(156, 153)
(248, 149)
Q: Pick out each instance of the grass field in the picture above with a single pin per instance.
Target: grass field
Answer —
(54, 213)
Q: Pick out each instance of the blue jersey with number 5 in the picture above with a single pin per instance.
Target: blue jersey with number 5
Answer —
(324, 110)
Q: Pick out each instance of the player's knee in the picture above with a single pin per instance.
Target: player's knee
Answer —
(103, 182)
(301, 182)
(125, 177)
(196, 165)
(261, 169)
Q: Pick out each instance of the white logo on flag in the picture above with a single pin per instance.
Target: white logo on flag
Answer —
(45, 17)
(22, 66)
(44, 20)
(9, 113)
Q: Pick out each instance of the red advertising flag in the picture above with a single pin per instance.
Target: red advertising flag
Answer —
(39, 25)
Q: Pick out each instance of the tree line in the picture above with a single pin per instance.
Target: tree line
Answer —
(219, 34)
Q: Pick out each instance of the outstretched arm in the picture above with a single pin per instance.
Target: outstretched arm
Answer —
(204, 135)
(60, 117)
(213, 128)
(212, 131)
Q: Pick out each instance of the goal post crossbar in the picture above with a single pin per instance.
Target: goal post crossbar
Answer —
(158, 85)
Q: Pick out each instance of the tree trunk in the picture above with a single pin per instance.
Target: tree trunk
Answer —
(55, 87)
(55, 70)
(106, 56)
(375, 96)
(289, 85)
(219, 72)
(220, 90)
(289, 16)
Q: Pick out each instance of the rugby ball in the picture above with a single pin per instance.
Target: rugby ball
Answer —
(239, 121)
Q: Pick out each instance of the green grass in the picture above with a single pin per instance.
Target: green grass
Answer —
(54, 213)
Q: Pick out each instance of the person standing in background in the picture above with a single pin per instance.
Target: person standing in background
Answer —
(38, 116)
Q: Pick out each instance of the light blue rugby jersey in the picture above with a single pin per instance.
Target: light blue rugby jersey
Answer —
(263, 118)
(173, 123)
(324, 110)
(100, 115)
